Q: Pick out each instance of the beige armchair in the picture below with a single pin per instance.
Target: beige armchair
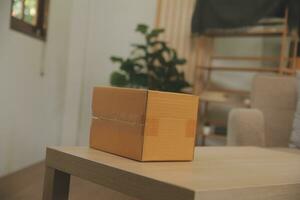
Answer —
(269, 121)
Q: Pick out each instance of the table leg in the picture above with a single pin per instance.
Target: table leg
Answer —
(56, 185)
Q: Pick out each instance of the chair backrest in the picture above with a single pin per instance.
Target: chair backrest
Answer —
(276, 97)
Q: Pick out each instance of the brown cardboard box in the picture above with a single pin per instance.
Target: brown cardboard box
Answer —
(144, 125)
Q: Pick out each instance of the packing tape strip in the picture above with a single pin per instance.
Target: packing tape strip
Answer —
(190, 128)
(152, 127)
(118, 120)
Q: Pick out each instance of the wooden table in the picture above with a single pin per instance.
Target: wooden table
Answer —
(218, 173)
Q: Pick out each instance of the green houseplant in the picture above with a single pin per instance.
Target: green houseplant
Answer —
(151, 65)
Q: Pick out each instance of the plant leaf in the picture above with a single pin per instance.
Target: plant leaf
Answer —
(142, 28)
(156, 32)
(139, 46)
(115, 59)
(180, 61)
(118, 78)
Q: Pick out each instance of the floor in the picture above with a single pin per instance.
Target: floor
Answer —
(27, 184)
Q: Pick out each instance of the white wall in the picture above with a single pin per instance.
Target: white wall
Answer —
(54, 109)
(31, 105)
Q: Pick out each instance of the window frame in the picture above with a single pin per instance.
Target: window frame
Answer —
(38, 31)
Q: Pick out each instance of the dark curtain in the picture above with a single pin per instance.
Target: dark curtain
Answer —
(229, 14)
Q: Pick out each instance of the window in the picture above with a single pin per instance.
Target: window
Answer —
(30, 17)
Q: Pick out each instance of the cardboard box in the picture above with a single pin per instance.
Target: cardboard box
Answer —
(298, 63)
(144, 125)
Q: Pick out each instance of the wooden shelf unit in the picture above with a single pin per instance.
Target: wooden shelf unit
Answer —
(222, 97)
(241, 69)
(286, 64)
(249, 33)
(247, 58)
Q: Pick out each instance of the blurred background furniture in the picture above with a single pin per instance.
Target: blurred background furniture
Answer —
(213, 93)
(269, 121)
(208, 67)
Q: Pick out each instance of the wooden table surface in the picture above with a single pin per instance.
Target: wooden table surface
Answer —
(217, 173)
